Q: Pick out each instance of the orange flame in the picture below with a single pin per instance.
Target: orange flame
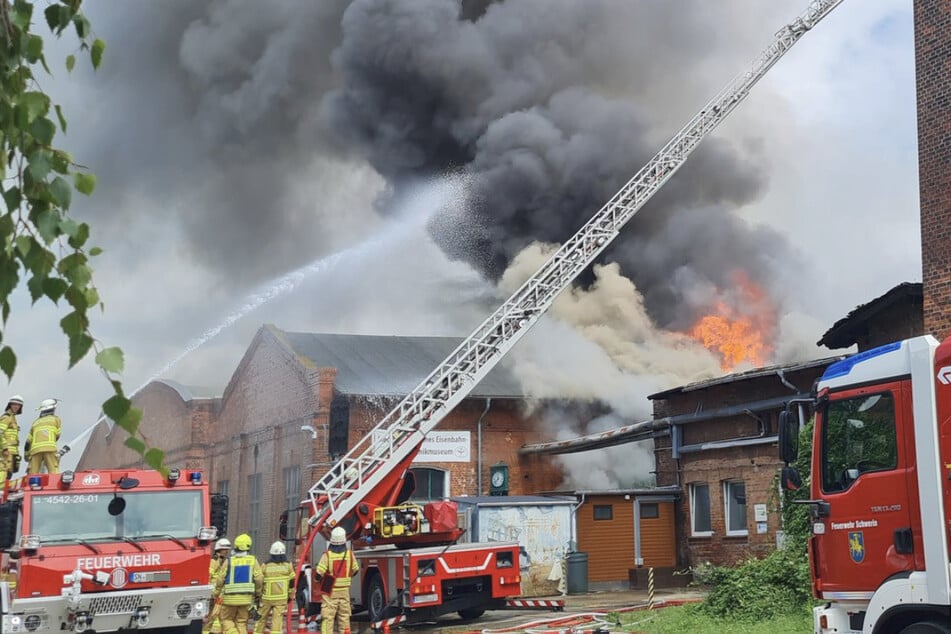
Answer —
(740, 328)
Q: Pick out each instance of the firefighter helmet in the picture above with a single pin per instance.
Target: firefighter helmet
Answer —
(16, 398)
(243, 542)
(338, 536)
(223, 544)
(278, 548)
(47, 405)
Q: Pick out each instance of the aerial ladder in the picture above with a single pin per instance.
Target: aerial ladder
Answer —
(374, 468)
(372, 477)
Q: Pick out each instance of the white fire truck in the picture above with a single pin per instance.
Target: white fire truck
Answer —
(415, 569)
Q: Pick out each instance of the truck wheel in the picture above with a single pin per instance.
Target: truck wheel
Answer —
(927, 627)
(471, 613)
(376, 599)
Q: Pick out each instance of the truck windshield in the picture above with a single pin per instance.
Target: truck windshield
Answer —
(65, 517)
(858, 435)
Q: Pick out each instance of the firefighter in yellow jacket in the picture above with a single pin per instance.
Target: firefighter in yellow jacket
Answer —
(216, 568)
(339, 562)
(278, 583)
(10, 438)
(41, 443)
(239, 586)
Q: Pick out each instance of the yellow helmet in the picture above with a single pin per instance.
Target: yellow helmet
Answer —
(242, 542)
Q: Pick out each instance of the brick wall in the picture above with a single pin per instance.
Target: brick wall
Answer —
(504, 430)
(933, 70)
(255, 428)
(756, 466)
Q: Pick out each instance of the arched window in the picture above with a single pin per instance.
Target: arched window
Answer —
(431, 484)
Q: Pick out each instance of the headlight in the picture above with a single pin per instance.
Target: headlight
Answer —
(29, 542)
(201, 608)
(207, 533)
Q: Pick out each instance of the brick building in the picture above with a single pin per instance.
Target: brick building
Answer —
(722, 453)
(933, 73)
(298, 400)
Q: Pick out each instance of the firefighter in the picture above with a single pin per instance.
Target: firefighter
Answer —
(278, 582)
(239, 586)
(339, 563)
(216, 568)
(41, 442)
(10, 438)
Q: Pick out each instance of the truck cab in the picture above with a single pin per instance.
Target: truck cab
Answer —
(880, 469)
(107, 550)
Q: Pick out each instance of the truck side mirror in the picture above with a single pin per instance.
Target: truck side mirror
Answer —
(8, 525)
(788, 436)
(282, 527)
(790, 478)
(219, 512)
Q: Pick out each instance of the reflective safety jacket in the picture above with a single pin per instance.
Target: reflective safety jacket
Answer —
(241, 580)
(44, 433)
(278, 580)
(341, 565)
(9, 432)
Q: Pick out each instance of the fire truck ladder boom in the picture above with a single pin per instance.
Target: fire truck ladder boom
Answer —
(338, 492)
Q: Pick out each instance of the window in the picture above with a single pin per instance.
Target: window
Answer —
(700, 510)
(734, 507)
(431, 484)
(292, 487)
(603, 512)
(650, 510)
(254, 506)
(858, 436)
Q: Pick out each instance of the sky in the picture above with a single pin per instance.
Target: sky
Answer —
(382, 167)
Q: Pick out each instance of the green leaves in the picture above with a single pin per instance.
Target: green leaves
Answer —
(40, 244)
(95, 53)
(111, 360)
(8, 361)
(85, 182)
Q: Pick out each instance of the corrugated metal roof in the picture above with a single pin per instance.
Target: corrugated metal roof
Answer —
(391, 365)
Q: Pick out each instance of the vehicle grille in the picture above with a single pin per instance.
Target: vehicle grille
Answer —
(125, 604)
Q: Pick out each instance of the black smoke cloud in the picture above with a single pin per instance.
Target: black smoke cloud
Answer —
(528, 99)
(548, 105)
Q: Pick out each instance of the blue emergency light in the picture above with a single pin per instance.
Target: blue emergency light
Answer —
(195, 477)
(35, 482)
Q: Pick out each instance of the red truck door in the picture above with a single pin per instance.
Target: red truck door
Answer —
(863, 470)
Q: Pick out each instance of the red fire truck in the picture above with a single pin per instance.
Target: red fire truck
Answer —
(414, 568)
(107, 550)
(880, 487)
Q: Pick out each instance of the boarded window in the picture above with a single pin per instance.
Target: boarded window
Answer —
(603, 512)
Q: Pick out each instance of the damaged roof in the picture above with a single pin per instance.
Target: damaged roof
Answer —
(391, 365)
(850, 328)
(778, 370)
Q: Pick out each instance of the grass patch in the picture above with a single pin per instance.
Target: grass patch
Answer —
(691, 618)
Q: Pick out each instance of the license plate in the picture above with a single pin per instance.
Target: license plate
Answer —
(150, 577)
